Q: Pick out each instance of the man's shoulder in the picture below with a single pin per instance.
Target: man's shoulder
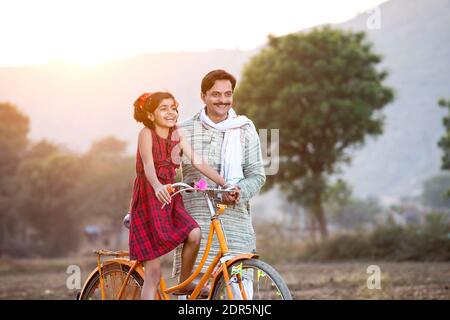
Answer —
(190, 122)
(249, 128)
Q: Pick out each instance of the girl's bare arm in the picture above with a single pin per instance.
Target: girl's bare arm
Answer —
(145, 150)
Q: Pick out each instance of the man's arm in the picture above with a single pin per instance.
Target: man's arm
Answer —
(253, 167)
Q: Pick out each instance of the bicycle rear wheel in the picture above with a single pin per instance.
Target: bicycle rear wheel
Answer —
(257, 279)
(114, 275)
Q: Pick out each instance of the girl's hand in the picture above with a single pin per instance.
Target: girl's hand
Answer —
(162, 193)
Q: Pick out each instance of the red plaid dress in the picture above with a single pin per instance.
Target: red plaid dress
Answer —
(155, 231)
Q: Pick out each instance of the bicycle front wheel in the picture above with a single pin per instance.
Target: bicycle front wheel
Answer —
(252, 279)
(114, 275)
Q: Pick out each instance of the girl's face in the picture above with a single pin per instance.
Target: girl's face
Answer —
(166, 115)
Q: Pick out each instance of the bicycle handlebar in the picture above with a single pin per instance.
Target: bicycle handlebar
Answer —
(185, 187)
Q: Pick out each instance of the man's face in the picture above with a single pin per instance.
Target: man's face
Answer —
(218, 100)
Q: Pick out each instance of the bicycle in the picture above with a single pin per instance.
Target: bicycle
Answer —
(243, 276)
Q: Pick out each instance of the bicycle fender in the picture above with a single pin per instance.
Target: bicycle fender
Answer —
(219, 272)
(108, 262)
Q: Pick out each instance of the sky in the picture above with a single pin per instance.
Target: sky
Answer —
(96, 31)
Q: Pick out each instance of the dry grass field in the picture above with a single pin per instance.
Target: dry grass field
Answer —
(46, 279)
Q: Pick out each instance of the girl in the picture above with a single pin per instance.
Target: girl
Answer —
(155, 231)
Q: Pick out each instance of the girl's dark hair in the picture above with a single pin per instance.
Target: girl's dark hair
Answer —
(147, 103)
(212, 76)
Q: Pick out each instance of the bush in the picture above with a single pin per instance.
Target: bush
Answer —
(430, 242)
(275, 243)
(427, 242)
(343, 247)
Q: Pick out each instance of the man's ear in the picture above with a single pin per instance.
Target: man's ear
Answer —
(203, 97)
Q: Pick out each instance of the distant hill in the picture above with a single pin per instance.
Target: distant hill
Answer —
(74, 106)
(414, 39)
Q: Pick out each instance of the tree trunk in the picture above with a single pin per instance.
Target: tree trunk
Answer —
(312, 227)
(321, 221)
(2, 234)
(317, 206)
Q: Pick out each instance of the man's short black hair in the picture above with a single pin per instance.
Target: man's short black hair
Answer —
(212, 76)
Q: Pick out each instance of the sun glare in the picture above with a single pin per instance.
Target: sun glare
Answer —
(92, 32)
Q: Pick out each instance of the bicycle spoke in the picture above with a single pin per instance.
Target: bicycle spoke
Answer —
(113, 280)
(249, 281)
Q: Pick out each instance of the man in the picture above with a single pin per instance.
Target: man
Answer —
(230, 144)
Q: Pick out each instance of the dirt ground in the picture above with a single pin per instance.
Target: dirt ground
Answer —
(46, 279)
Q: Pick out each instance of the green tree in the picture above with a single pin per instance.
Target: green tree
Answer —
(14, 127)
(435, 190)
(105, 184)
(356, 213)
(444, 142)
(338, 194)
(347, 211)
(108, 146)
(44, 200)
(41, 150)
(324, 91)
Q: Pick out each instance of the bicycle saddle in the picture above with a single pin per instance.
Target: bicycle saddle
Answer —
(126, 221)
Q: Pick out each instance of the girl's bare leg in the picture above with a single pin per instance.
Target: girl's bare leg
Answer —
(152, 275)
(189, 253)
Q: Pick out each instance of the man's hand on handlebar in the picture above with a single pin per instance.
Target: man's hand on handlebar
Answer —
(231, 198)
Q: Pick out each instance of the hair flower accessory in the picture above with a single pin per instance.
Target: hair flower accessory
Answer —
(142, 99)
